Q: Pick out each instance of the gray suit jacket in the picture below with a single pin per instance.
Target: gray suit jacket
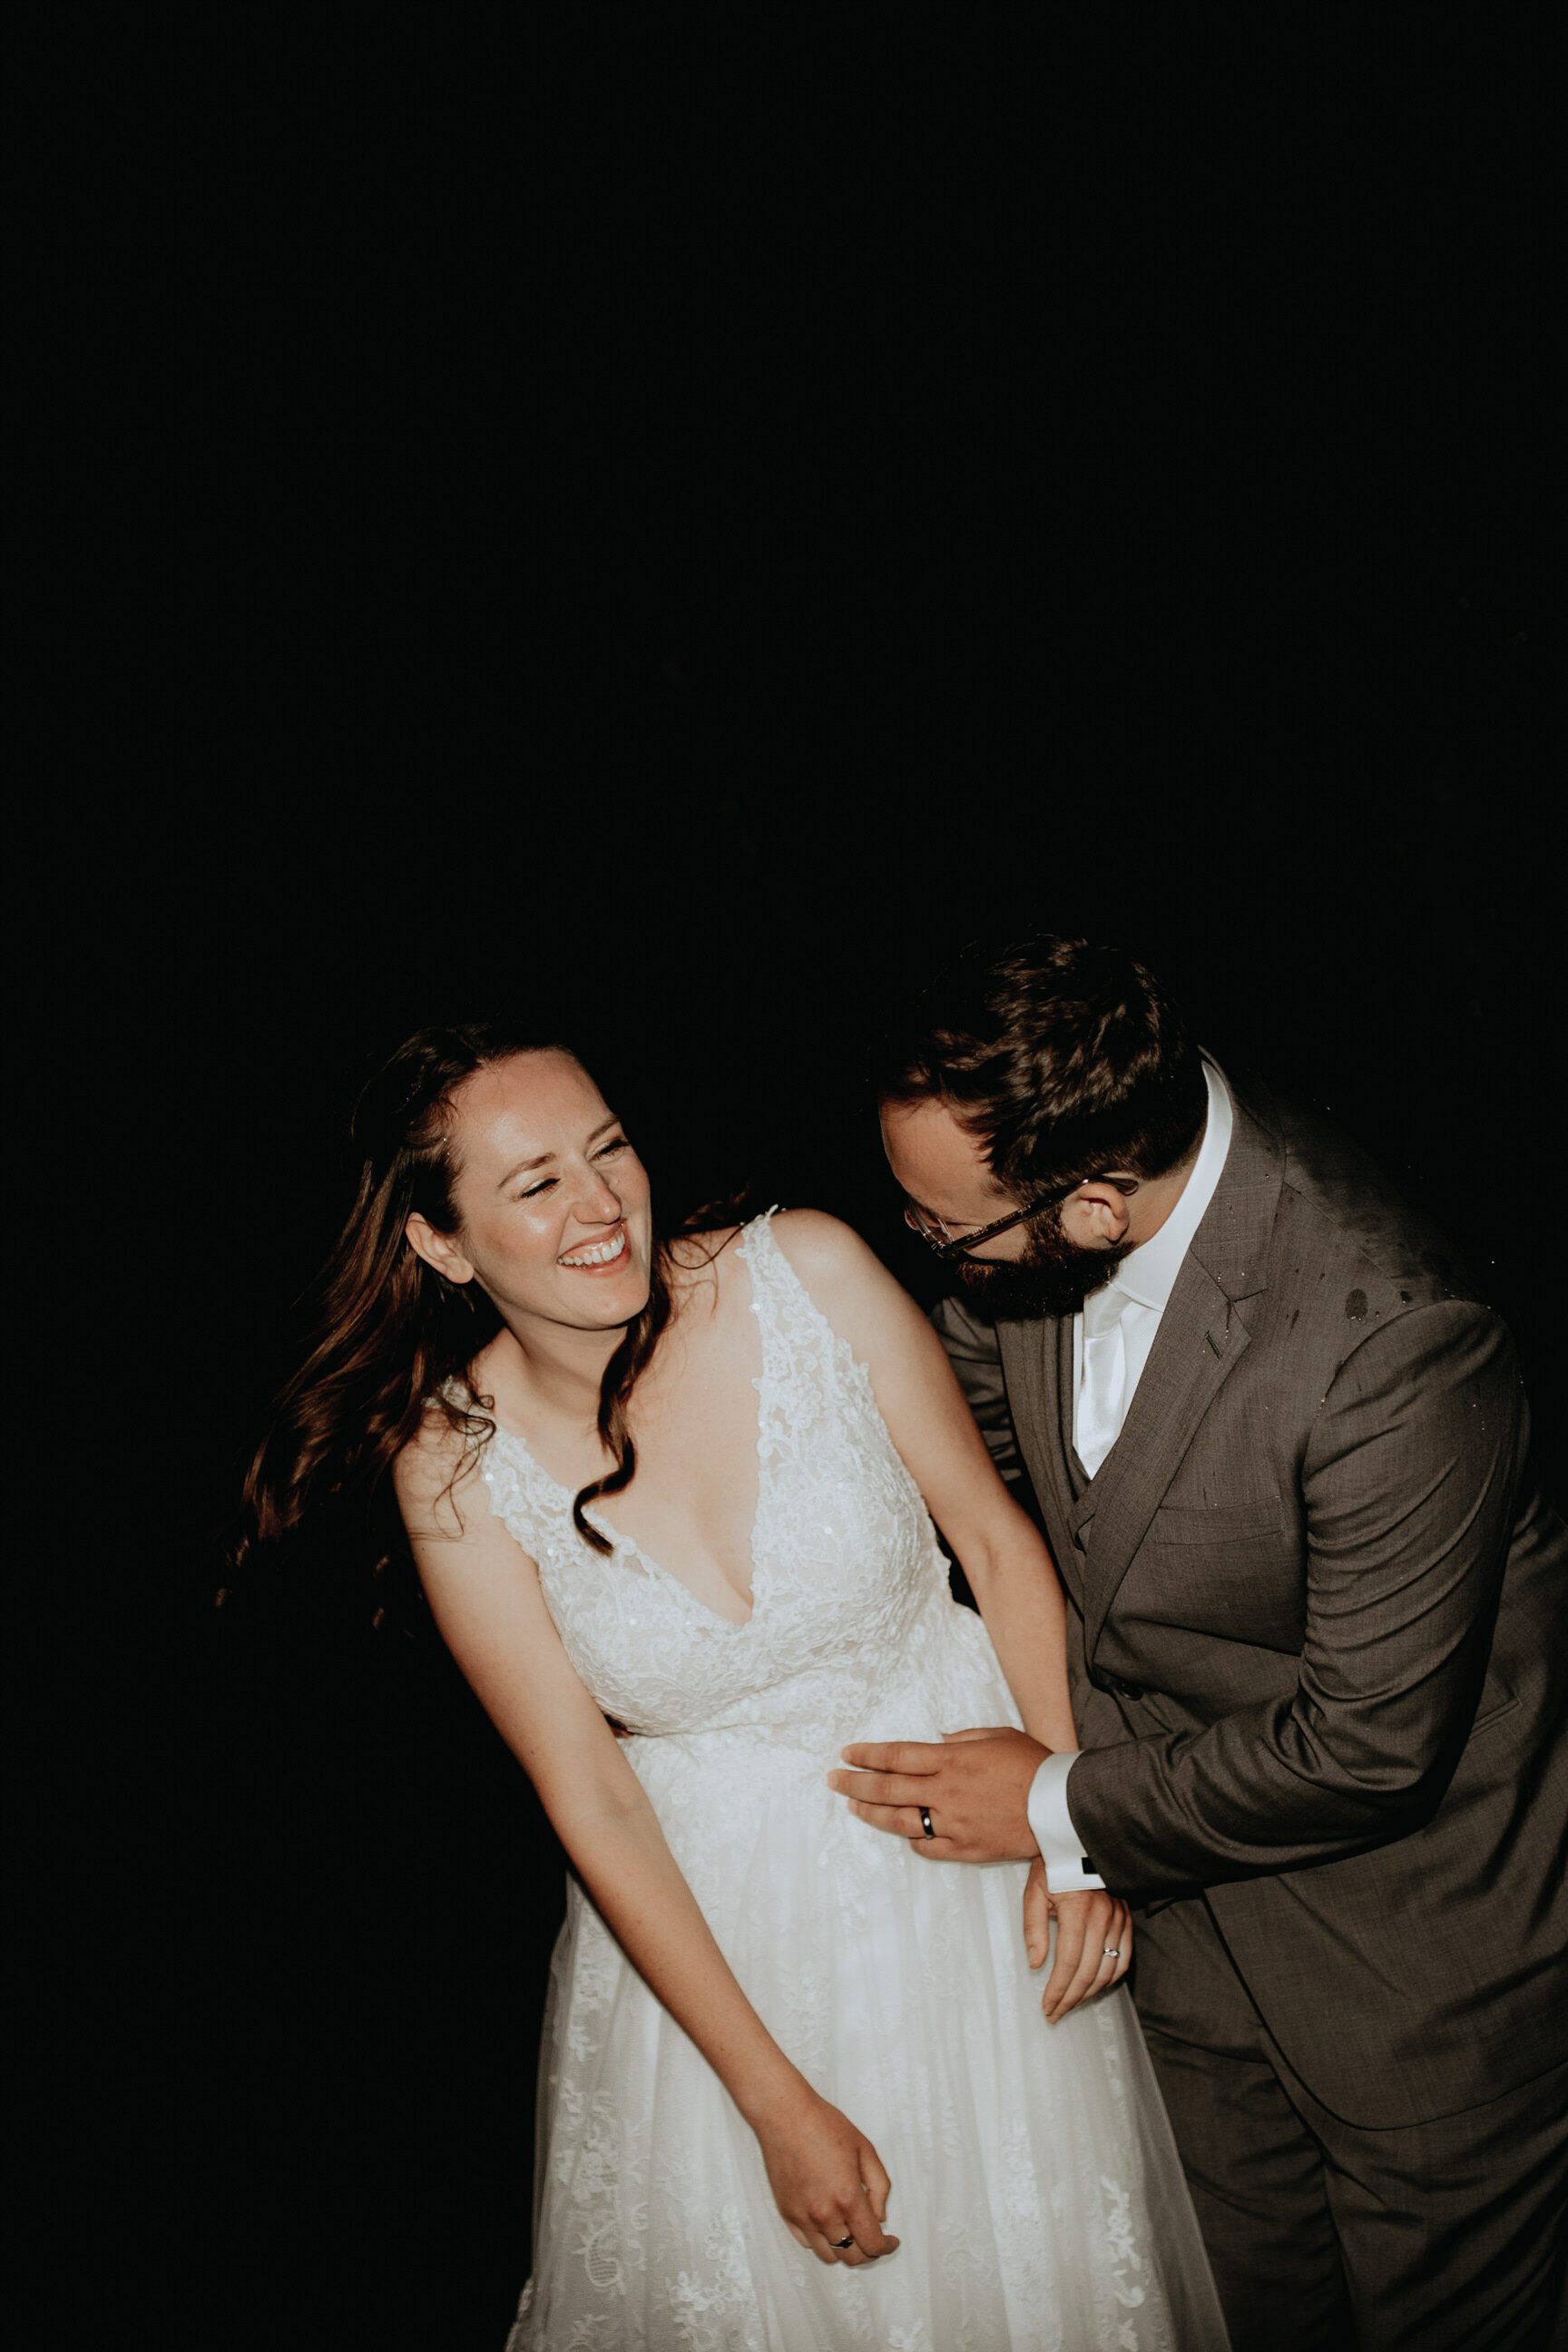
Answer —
(1316, 1630)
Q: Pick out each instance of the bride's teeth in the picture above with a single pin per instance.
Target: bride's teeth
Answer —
(599, 1255)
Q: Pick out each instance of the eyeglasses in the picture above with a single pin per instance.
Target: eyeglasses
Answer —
(934, 1233)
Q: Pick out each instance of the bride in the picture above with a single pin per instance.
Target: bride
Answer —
(797, 2091)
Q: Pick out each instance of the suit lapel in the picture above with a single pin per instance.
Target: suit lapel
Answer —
(1202, 1338)
(1031, 1365)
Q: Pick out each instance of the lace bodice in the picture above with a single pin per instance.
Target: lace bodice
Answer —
(846, 1564)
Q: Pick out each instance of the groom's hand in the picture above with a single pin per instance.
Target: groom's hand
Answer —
(974, 1787)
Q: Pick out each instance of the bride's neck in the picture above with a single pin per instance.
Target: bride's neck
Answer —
(558, 1368)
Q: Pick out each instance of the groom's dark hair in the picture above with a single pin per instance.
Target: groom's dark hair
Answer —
(1064, 1059)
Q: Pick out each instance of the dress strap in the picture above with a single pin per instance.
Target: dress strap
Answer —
(805, 1362)
(759, 1248)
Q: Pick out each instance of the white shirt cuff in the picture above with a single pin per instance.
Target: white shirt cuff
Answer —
(1065, 1860)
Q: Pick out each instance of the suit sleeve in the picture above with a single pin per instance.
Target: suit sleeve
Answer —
(975, 1353)
(1408, 1482)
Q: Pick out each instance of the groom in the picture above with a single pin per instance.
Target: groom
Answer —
(1317, 1644)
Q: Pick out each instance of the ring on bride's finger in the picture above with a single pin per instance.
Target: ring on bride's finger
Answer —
(1112, 1953)
(839, 2244)
(925, 1821)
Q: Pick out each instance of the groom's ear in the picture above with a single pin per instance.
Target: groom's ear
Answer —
(1097, 1216)
(438, 1250)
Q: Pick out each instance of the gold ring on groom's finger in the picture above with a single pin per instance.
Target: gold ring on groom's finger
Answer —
(925, 1821)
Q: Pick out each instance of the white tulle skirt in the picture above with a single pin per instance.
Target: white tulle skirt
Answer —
(1036, 2190)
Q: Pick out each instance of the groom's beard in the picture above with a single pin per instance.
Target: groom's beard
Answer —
(1054, 1277)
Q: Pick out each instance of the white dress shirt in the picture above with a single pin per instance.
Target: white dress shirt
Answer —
(1143, 1285)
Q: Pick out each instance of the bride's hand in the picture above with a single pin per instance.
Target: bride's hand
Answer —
(1094, 1941)
(827, 2180)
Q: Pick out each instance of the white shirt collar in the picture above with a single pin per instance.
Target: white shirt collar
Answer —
(1149, 1273)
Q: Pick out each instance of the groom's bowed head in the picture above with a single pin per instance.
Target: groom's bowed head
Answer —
(1041, 1106)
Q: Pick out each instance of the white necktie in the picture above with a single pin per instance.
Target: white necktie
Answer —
(1103, 1400)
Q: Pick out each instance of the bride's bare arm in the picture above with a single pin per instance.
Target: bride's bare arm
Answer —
(1006, 1558)
(1004, 1555)
(485, 1595)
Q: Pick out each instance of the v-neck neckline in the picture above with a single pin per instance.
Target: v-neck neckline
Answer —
(620, 1540)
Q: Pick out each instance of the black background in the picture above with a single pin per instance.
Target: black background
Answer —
(673, 532)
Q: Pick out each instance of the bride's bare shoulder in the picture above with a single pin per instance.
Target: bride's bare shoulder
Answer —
(832, 1261)
(824, 1251)
(437, 1459)
(849, 1284)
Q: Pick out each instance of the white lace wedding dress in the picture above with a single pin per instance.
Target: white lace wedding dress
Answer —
(1036, 2187)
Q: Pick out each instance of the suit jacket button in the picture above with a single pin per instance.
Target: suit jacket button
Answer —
(1131, 1690)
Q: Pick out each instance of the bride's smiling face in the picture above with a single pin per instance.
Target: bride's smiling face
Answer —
(552, 1203)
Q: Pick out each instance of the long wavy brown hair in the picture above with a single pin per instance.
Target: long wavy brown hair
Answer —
(393, 1339)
